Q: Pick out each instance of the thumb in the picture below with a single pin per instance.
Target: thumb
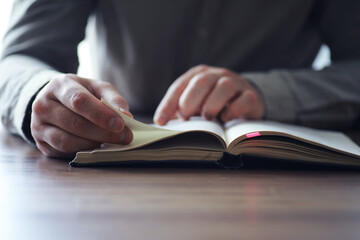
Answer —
(113, 97)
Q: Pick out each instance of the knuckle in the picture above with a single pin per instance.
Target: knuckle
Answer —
(200, 68)
(39, 107)
(59, 80)
(224, 72)
(70, 76)
(226, 83)
(56, 81)
(201, 80)
(77, 99)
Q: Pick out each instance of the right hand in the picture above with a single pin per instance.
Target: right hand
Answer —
(67, 116)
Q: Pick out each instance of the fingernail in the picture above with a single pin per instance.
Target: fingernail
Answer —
(126, 137)
(126, 112)
(115, 123)
(162, 119)
(123, 136)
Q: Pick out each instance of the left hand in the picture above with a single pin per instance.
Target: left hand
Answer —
(211, 92)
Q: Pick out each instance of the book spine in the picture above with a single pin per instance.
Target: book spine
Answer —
(230, 161)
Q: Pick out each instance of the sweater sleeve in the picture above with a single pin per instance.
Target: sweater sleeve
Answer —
(328, 98)
(40, 43)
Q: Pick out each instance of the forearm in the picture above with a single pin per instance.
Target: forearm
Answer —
(36, 51)
(21, 77)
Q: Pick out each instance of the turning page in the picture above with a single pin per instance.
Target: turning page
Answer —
(145, 134)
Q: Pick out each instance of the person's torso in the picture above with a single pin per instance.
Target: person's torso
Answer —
(143, 46)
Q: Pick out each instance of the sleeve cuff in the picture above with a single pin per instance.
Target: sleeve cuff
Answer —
(26, 97)
(278, 98)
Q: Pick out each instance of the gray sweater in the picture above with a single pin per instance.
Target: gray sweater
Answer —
(142, 46)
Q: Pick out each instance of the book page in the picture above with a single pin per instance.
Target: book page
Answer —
(331, 139)
(145, 134)
(195, 124)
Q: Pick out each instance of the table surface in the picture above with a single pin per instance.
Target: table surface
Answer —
(44, 198)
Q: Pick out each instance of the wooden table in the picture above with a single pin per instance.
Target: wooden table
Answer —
(43, 198)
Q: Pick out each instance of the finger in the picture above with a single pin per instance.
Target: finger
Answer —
(111, 95)
(195, 93)
(169, 104)
(73, 123)
(49, 151)
(79, 100)
(63, 141)
(219, 97)
(241, 107)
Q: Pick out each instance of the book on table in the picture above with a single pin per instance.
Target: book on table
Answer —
(201, 140)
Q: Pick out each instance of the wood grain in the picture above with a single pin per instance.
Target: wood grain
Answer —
(43, 198)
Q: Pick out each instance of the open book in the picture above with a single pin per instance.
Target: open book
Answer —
(198, 139)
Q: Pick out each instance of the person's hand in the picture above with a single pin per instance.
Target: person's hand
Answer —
(67, 116)
(212, 93)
